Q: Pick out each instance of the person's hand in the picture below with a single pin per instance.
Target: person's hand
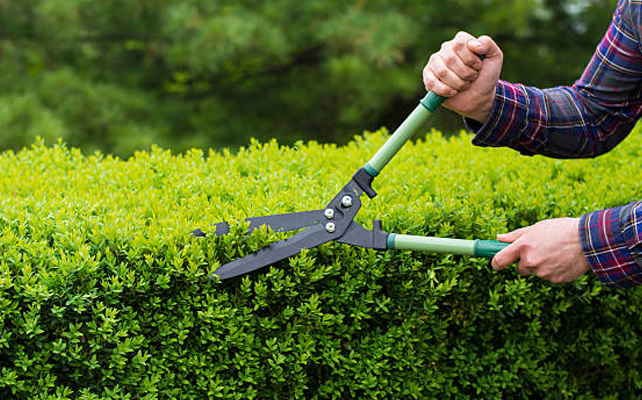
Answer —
(550, 249)
(457, 72)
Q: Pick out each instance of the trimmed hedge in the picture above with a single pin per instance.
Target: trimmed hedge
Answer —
(104, 293)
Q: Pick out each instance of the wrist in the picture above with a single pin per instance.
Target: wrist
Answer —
(484, 107)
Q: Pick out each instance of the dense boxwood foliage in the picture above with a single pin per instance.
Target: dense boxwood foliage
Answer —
(104, 293)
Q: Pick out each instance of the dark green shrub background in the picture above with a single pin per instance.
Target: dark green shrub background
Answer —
(122, 75)
(103, 293)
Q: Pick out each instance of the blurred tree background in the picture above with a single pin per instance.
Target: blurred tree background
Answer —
(120, 75)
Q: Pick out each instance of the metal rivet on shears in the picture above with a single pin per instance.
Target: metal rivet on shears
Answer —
(330, 227)
(346, 201)
(329, 213)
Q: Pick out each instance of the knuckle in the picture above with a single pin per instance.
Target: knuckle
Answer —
(471, 75)
(429, 81)
(458, 44)
(525, 247)
(441, 89)
(529, 260)
(472, 64)
(461, 35)
(450, 58)
(446, 91)
(441, 73)
(435, 85)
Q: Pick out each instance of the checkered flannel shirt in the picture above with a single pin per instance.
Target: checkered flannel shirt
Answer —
(585, 120)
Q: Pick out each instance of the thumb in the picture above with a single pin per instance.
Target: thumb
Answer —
(491, 67)
(486, 46)
(512, 236)
(506, 257)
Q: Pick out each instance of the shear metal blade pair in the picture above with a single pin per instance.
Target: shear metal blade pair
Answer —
(334, 222)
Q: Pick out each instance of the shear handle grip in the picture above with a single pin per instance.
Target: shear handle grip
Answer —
(475, 248)
(427, 106)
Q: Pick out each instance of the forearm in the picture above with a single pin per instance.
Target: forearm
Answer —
(583, 120)
(552, 122)
(559, 122)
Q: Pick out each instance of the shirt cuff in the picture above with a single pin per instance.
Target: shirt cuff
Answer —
(483, 131)
(492, 132)
(605, 247)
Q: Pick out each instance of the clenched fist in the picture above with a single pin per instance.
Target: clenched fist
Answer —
(458, 72)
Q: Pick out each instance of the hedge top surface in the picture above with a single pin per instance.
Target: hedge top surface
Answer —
(157, 197)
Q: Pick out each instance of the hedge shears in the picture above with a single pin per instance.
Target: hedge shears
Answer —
(335, 222)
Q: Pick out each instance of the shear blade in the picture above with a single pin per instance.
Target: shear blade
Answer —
(278, 223)
(309, 238)
(357, 235)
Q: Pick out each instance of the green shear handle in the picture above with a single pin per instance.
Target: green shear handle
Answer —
(475, 248)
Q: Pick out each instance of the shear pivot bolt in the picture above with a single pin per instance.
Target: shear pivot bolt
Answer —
(329, 213)
(346, 201)
(330, 227)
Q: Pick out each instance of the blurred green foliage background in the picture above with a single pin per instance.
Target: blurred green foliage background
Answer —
(120, 75)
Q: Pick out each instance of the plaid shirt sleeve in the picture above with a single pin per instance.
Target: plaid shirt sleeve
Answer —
(584, 120)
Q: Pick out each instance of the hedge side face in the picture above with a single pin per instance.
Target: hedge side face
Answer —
(104, 293)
